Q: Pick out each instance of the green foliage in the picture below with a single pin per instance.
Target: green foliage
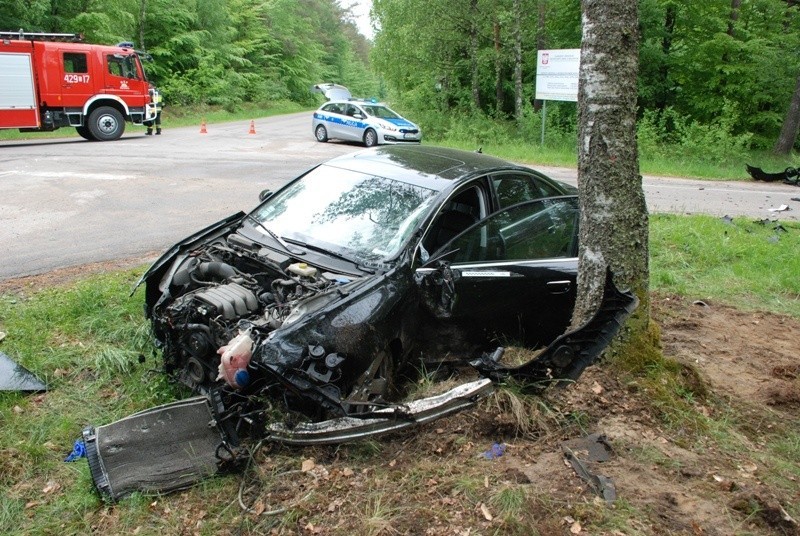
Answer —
(665, 132)
(715, 84)
(711, 86)
(218, 52)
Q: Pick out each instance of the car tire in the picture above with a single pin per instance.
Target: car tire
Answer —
(83, 132)
(106, 124)
(370, 138)
(321, 134)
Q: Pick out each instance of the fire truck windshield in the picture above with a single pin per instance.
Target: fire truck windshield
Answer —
(124, 66)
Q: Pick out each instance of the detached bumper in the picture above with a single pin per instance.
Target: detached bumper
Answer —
(174, 446)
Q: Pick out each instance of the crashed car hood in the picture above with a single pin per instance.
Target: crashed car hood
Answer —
(169, 255)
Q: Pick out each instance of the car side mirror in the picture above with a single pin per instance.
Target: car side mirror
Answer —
(358, 116)
(265, 194)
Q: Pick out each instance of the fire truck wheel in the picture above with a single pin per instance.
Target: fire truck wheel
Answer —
(106, 124)
(84, 133)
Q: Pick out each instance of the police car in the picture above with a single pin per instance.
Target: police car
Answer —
(366, 121)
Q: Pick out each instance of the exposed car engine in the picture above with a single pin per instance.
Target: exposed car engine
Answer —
(217, 293)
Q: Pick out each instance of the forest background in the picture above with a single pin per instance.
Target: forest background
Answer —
(719, 81)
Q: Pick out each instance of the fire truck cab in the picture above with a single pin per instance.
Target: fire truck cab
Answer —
(49, 81)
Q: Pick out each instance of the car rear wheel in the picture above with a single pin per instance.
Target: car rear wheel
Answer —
(106, 124)
(83, 132)
(321, 133)
(370, 138)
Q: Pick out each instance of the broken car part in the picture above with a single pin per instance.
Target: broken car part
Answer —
(173, 446)
(15, 377)
(789, 176)
(581, 453)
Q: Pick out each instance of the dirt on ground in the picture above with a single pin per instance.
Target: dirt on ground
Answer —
(707, 467)
(743, 371)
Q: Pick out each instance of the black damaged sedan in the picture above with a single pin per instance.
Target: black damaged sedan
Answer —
(363, 267)
(334, 281)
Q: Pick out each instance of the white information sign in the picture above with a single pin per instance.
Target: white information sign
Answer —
(557, 74)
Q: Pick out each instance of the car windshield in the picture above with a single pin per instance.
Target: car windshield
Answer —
(347, 212)
(381, 112)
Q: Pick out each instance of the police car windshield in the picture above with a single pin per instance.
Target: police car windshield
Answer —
(381, 112)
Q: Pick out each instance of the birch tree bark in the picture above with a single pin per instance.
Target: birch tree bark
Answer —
(614, 221)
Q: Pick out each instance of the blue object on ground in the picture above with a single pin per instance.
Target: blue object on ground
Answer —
(497, 450)
(78, 451)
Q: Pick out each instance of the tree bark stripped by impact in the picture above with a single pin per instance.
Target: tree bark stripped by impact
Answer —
(614, 221)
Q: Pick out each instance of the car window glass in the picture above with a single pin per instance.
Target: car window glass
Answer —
(122, 66)
(342, 210)
(543, 229)
(457, 214)
(512, 189)
(381, 112)
(352, 110)
(333, 107)
(547, 189)
(75, 63)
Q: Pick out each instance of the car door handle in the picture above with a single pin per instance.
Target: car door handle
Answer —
(559, 287)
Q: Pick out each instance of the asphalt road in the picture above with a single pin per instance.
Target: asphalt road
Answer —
(68, 202)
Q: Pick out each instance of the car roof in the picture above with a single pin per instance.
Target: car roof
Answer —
(428, 166)
(363, 102)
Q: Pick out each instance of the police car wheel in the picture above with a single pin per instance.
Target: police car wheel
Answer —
(321, 133)
(370, 138)
(106, 123)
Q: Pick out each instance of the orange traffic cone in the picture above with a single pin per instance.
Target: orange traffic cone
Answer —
(203, 127)
(252, 127)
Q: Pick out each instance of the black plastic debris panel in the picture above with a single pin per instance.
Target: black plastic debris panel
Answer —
(789, 176)
(15, 377)
(162, 449)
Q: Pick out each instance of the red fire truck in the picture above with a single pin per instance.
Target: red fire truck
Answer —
(49, 81)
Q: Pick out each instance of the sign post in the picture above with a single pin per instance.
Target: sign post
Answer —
(557, 77)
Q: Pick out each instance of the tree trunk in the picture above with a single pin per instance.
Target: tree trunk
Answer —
(498, 70)
(541, 41)
(791, 125)
(142, 15)
(663, 95)
(473, 55)
(735, 5)
(517, 61)
(614, 221)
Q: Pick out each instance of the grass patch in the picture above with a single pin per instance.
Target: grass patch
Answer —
(90, 342)
(750, 265)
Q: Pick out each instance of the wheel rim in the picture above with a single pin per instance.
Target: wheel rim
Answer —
(371, 138)
(107, 124)
(320, 133)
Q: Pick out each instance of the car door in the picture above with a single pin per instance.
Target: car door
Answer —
(75, 71)
(332, 117)
(354, 124)
(512, 276)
